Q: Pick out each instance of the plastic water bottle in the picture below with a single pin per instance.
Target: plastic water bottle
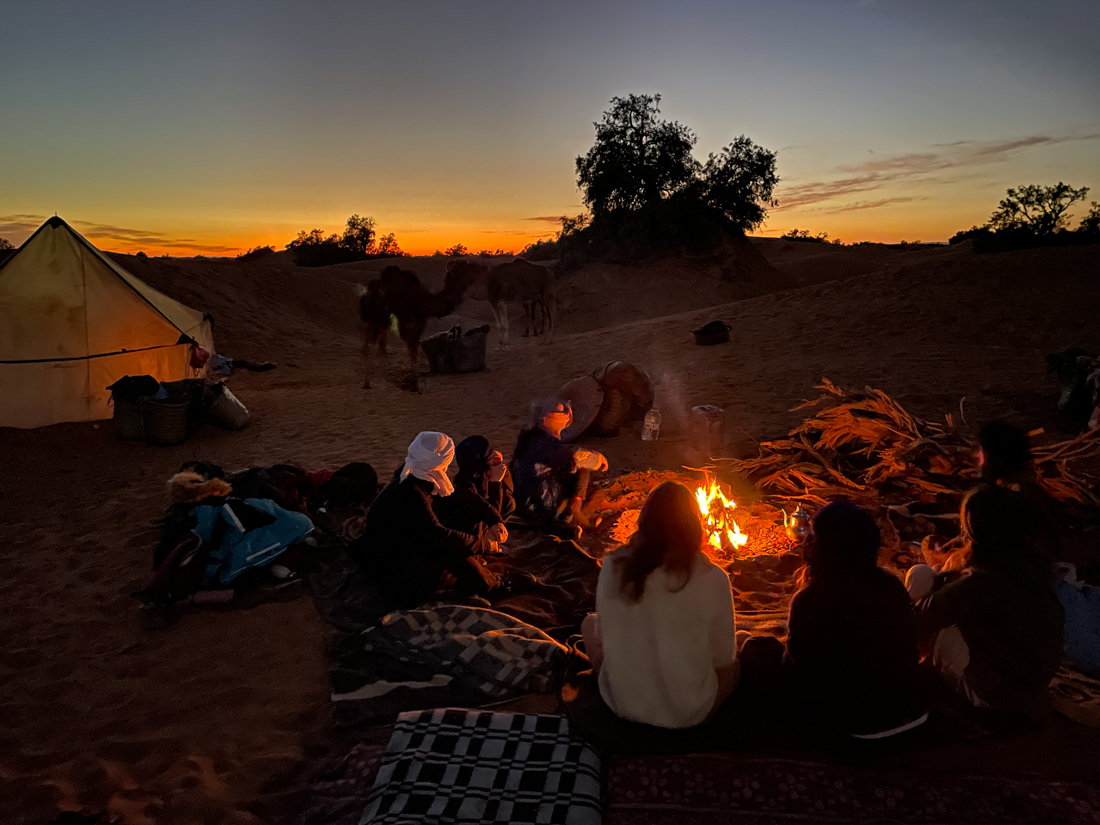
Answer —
(652, 425)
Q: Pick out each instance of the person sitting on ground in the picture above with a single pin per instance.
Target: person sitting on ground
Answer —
(482, 489)
(994, 634)
(405, 549)
(851, 665)
(1004, 458)
(551, 479)
(662, 636)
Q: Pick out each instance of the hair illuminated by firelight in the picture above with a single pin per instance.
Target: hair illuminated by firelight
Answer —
(669, 534)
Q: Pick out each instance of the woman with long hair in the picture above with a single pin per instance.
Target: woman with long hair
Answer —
(662, 637)
(851, 663)
(995, 633)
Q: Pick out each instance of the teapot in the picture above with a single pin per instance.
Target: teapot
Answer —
(797, 524)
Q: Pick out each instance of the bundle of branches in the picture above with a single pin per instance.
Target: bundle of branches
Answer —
(866, 446)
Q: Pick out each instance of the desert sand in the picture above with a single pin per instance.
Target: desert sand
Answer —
(216, 718)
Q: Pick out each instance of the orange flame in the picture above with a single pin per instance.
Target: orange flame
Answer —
(716, 508)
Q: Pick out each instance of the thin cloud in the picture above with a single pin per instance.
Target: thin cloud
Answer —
(852, 207)
(546, 219)
(926, 167)
(20, 225)
(19, 228)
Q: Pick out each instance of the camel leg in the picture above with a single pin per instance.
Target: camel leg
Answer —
(500, 315)
(529, 319)
(549, 307)
(412, 337)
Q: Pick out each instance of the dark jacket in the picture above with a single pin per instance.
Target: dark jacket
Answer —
(472, 503)
(1009, 615)
(852, 658)
(544, 471)
(404, 548)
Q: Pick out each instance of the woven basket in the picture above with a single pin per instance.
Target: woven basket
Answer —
(227, 411)
(128, 419)
(612, 415)
(166, 422)
(468, 352)
(438, 354)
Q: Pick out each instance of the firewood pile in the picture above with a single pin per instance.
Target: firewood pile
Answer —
(864, 445)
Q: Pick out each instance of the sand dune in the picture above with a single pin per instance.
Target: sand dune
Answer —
(211, 720)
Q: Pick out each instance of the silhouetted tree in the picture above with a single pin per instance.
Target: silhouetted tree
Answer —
(387, 247)
(647, 194)
(357, 243)
(1038, 209)
(456, 250)
(1090, 224)
(255, 253)
(637, 159)
(738, 182)
(359, 235)
(804, 235)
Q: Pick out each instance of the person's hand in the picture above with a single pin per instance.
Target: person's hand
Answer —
(497, 534)
(497, 467)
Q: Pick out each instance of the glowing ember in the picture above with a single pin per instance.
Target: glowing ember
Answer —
(722, 532)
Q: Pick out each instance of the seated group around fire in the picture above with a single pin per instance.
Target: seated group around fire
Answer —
(422, 527)
(986, 612)
(991, 625)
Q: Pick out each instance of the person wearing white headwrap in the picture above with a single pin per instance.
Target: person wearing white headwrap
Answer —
(428, 458)
(405, 549)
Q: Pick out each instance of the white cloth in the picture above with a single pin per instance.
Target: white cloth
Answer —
(428, 458)
(589, 460)
(660, 654)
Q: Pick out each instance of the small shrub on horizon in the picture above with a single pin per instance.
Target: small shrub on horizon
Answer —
(255, 253)
(804, 236)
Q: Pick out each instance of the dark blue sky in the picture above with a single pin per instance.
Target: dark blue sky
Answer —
(216, 126)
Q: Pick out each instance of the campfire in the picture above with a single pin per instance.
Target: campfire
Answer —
(731, 533)
(721, 531)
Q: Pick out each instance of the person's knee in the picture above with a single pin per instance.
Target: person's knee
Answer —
(593, 642)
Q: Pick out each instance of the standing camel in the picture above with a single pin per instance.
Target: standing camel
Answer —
(399, 292)
(519, 281)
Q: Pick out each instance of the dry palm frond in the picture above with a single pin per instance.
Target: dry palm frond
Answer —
(865, 445)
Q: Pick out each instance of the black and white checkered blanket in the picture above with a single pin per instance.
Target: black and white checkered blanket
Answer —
(458, 766)
(486, 650)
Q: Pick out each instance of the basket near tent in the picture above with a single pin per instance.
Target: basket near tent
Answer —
(224, 408)
(129, 419)
(171, 419)
(165, 422)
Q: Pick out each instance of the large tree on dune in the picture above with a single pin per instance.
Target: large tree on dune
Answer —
(647, 193)
(638, 159)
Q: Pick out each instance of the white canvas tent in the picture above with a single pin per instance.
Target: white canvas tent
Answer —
(72, 322)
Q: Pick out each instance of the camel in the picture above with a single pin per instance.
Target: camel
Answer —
(399, 293)
(519, 281)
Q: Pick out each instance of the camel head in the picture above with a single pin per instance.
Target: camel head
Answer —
(464, 276)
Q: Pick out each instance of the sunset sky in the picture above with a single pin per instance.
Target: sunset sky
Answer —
(195, 127)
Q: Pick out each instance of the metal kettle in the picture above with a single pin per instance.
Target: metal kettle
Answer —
(797, 524)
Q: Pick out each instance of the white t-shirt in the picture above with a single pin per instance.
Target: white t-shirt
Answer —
(661, 653)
